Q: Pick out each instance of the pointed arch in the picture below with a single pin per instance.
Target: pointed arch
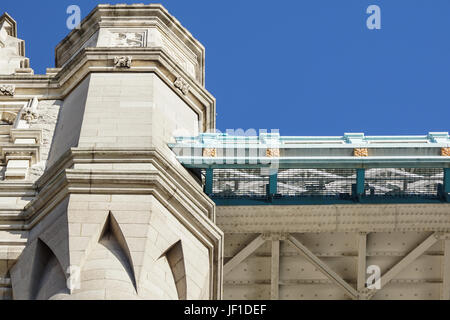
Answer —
(175, 258)
(47, 276)
(113, 239)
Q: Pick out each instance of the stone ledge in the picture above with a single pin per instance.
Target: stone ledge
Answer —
(89, 60)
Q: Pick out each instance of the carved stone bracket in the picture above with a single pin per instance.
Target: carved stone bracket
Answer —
(181, 84)
(30, 112)
(7, 90)
(122, 62)
(445, 152)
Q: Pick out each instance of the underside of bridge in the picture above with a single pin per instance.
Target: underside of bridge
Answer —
(330, 252)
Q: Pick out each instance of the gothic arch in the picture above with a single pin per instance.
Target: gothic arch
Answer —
(113, 239)
(175, 258)
(47, 276)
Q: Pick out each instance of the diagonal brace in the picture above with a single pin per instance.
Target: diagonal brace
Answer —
(243, 254)
(319, 264)
(406, 261)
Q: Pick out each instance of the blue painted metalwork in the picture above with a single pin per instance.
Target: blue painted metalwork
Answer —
(305, 141)
(359, 188)
(320, 153)
(209, 176)
(273, 181)
(360, 181)
(315, 163)
(446, 185)
(447, 180)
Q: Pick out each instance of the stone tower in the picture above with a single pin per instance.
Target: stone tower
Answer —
(93, 204)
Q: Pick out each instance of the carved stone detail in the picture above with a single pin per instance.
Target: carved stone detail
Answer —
(210, 152)
(273, 153)
(30, 112)
(181, 84)
(128, 39)
(7, 90)
(361, 152)
(445, 152)
(122, 62)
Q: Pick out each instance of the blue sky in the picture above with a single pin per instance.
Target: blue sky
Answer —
(308, 67)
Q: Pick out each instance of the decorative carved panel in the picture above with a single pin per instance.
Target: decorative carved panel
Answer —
(181, 84)
(361, 152)
(445, 152)
(209, 152)
(128, 39)
(7, 90)
(273, 153)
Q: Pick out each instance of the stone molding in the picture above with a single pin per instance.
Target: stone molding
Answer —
(56, 86)
(22, 148)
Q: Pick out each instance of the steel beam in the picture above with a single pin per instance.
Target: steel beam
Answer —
(275, 271)
(445, 294)
(406, 261)
(273, 181)
(243, 254)
(319, 264)
(209, 181)
(362, 261)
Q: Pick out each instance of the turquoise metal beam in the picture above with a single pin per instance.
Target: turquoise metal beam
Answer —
(209, 181)
(316, 163)
(273, 181)
(360, 181)
(305, 141)
(447, 180)
(445, 191)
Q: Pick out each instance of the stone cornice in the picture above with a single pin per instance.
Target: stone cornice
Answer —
(167, 177)
(95, 60)
(167, 181)
(17, 189)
